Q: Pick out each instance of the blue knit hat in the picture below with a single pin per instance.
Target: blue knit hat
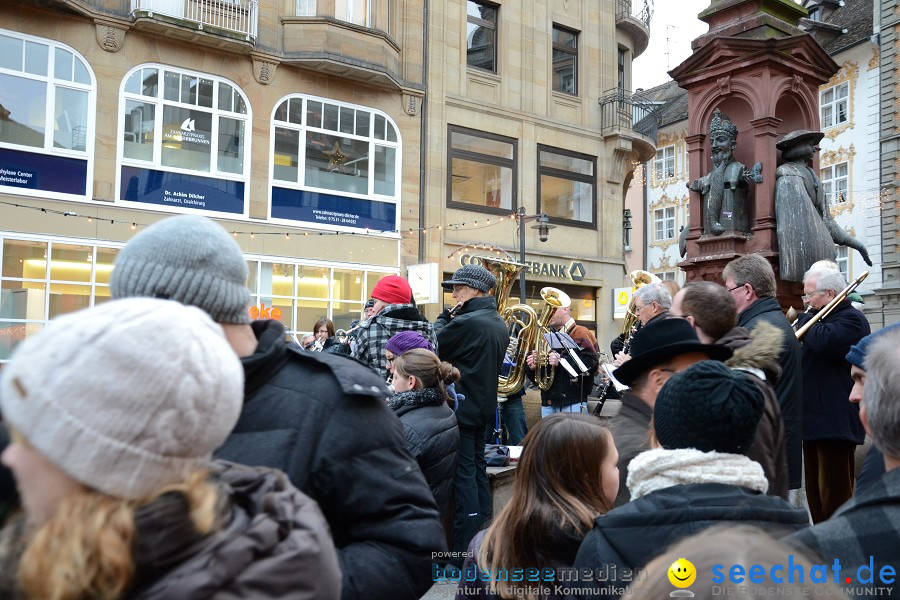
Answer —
(857, 354)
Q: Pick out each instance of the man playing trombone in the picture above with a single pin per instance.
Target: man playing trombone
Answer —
(831, 425)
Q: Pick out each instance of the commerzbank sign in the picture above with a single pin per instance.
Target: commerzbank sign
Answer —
(573, 271)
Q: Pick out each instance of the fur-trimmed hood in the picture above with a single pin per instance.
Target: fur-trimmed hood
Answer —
(756, 349)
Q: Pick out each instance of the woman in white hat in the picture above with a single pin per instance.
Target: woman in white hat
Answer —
(114, 414)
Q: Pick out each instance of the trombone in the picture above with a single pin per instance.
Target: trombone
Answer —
(826, 310)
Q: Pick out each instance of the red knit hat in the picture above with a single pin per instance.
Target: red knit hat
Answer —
(393, 289)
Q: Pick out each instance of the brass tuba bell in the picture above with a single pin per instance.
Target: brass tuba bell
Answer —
(554, 299)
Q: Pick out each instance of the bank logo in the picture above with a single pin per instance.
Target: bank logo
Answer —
(682, 574)
(189, 125)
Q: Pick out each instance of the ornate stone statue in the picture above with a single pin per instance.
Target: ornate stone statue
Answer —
(725, 188)
(807, 232)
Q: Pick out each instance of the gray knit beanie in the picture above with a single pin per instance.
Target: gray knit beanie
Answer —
(708, 407)
(126, 397)
(189, 259)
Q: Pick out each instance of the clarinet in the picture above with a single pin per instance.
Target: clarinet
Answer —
(607, 380)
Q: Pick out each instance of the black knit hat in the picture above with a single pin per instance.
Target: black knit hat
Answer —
(661, 341)
(474, 276)
(708, 407)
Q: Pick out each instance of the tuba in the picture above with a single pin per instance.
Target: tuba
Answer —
(521, 323)
(554, 299)
(638, 279)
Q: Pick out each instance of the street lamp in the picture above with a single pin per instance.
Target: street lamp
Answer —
(543, 227)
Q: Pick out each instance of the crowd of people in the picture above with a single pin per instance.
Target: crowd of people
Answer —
(164, 445)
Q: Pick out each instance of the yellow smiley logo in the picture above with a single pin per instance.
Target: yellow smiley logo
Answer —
(682, 573)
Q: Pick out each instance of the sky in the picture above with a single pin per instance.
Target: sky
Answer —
(672, 29)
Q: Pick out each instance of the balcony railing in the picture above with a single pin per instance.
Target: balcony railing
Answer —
(620, 109)
(642, 10)
(238, 16)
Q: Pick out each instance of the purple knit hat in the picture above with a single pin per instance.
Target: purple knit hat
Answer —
(407, 340)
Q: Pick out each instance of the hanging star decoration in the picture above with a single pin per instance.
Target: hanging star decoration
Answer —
(336, 162)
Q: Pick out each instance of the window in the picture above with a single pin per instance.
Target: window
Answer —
(184, 121)
(48, 100)
(481, 36)
(843, 261)
(565, 60)
(623, 53)
(344, 148)
(834, 182)
(306, 8)
(42, 278)
(482, 171)
(664, 163)
(566, 184)
(834, 105)
(352, 11)
(666, 275)
(664, 223)
(304, 293)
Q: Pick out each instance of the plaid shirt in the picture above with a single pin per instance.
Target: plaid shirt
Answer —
(866, 525)
(374, 334)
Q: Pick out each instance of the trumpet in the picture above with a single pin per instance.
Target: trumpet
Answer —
(343, 334)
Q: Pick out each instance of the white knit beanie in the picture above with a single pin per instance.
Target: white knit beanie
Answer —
(190, 259)
(126, 397)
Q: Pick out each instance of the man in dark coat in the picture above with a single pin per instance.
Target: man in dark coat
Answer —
(866, 530)
(321, 418)
(658, 350)
(567, 392)
(751, 282)
(473, 337)
(831, 425)
(9, 496)
(712, 312)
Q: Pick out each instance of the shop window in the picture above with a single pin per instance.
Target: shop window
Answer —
(482, 171)
(566, 185)
(481, 35)
(834, 105)
(664, 163)
(48, 96)
(187, 122)
(565, 60)
(41, 279)
(664, 224)
(835, 182)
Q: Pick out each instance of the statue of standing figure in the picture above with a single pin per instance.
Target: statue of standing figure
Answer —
(807, 232)
(725, 188)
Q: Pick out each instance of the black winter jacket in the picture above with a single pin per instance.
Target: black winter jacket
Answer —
(630, 536)
(321, 418)
(827, 413)
(432, 437)
(789, 388)
(474, 341)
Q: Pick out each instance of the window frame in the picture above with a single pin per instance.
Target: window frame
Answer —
(663, 220)
(835, 105)
(569, 176)
(842, 259)
(156, 163)
(301, 185)
(53, 85)
(554, 47)
(493, 26)
(512, 163)
(830, 182)
(659, 164)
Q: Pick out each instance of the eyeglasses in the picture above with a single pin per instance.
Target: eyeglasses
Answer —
(809, 296)
(736, 287)
(458, 286)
